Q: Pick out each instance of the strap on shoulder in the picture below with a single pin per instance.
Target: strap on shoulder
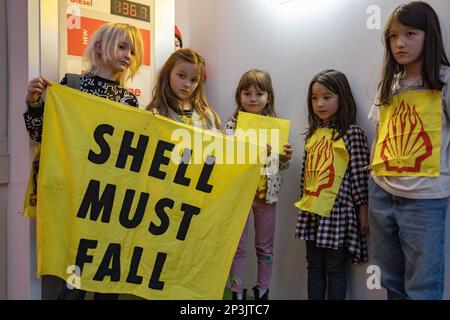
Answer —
(73, 80)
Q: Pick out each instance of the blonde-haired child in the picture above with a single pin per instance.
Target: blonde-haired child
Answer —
(113, 55)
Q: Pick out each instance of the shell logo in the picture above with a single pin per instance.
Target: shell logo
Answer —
(406, 144)
(319, 168)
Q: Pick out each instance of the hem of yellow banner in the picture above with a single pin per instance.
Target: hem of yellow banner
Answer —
(227, 293)
(326, 215)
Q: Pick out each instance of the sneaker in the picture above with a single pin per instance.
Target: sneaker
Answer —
(256, 293)
(235, 295)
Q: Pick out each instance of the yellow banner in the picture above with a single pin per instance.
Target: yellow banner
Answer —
(409, 135)
(262, 130)
(129, 202)
(325, 166)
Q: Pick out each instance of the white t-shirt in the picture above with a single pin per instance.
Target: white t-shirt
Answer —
(422, 187)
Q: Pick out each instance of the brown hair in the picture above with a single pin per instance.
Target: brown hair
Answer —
(163, 96)
(261, 80)
(336, 82)
(418, 15)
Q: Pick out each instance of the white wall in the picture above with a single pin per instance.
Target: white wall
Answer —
(21, 266)
(182, 20)
(293, 42)
(164, 25)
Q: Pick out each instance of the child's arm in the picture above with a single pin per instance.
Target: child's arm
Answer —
(302, 176)
(286, 157)
(36, 89)
(358, 162)
(364, 219)
(229, 127)
(373, 145)
(35, 107)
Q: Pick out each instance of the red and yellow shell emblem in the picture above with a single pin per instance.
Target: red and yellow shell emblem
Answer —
(325, 166)
(409, 135)
(406, 144)
(319, 168)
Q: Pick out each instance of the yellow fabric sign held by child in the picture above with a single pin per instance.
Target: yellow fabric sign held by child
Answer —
(123, 208)
(325, 167)
(262, 130)
(409, 135)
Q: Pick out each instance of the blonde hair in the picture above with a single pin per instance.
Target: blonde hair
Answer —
(163, 96)
(261, 80)
(110, 35)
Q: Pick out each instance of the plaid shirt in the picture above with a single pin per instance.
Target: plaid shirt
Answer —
(341, 228)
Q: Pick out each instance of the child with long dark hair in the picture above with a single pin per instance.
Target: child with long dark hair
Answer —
(333, 206)
(411, 156)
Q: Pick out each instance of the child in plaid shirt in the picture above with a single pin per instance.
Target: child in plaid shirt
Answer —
(334, 177)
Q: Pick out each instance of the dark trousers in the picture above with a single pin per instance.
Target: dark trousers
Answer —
(326, 272)
(77, 294)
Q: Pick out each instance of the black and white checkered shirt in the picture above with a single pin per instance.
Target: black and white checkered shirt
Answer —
(341, 228)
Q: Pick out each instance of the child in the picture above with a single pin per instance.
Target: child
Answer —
(255, 94)
(411, 183)
(178, 39)
(179, 91)
(114, 55)
(333, 208)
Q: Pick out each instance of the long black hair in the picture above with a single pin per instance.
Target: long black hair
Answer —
(336, 82)
(418, 15)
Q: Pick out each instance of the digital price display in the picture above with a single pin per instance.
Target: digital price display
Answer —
(130, 10)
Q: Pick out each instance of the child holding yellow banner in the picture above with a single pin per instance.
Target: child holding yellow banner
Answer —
(113, 55)
(333, 206)
(255, 94)
(411, 156)
(179, 93)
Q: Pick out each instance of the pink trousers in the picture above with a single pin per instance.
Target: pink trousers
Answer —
(264, 219)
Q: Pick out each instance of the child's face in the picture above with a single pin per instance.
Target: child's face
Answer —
(406, 44)
(123, 57)
(325, 103)
(253, 99)
(184, 79)
(177, 44)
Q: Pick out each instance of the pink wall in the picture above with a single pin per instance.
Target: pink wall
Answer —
(21, 283)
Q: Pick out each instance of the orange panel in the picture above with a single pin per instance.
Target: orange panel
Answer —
(77, 39)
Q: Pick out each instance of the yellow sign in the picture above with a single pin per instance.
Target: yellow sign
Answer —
(264, 130)
(123, 207)
(409, 135)
(325, 167)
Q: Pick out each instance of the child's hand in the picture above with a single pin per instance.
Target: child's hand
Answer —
(363, 220)
(287, 155)
(36, 88)
(154, 111)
